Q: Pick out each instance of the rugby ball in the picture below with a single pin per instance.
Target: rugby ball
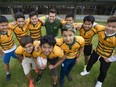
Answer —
(41, 62)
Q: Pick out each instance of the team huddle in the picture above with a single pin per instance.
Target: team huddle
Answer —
(36, 52)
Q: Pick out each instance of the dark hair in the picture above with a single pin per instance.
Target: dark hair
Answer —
(47, 39)
(89, 18)
(69, 15)
(19, 15)
(111, 19)
(68, 27)
(3, 19)
(25, 40)
(52, 11)
(33, 13)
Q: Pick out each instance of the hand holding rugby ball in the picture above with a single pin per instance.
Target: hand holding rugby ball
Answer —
(42, 62)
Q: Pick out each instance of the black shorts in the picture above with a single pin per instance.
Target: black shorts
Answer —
(53, 62)
(87, 50)
(54, 71)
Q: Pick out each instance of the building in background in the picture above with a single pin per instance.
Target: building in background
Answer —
(81, 7)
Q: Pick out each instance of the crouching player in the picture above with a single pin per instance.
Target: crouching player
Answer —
(54, 54)
(24, 52)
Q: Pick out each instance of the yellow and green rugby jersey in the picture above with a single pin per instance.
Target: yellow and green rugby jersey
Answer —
(106, 44)
(70, 51)
(6, 40)
(57, 52)
(89, 34)
(19, 32)
(21, 51)
(76, 25)
(35, 30)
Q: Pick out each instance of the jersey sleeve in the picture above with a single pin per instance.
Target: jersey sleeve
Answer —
(43, 18)
(59, 41)
(58, 51)
(77, 25)
(19, 50)
(11, 26)
(99, 28)
(81, 41)
(63, 22)
(28, 21)
(36, 43)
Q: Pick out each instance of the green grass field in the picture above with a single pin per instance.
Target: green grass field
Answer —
(18, 79)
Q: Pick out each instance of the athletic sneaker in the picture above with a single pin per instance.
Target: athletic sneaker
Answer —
(8, 77)
(98, 84)
(54, 85)
(38, 78)
(83, 73)
(69, 78)
(31, 84)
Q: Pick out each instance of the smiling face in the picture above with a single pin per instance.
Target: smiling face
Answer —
(52, 17)
(46, 49)
(3, 27)
(20, 22)
(29, 47)
(68, 36)
(87, 25)
(34, 19)
(69, 20)
(111, 28)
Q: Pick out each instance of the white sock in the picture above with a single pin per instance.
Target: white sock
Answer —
(54, 83)
(7, 73)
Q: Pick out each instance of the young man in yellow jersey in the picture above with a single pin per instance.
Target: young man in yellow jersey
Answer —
(104, 49)
(20, 28)
(69, 19)
(54, 54)
(25, 52)
(87, 31)
(34, 25)
(73, 48)
(7, 45)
